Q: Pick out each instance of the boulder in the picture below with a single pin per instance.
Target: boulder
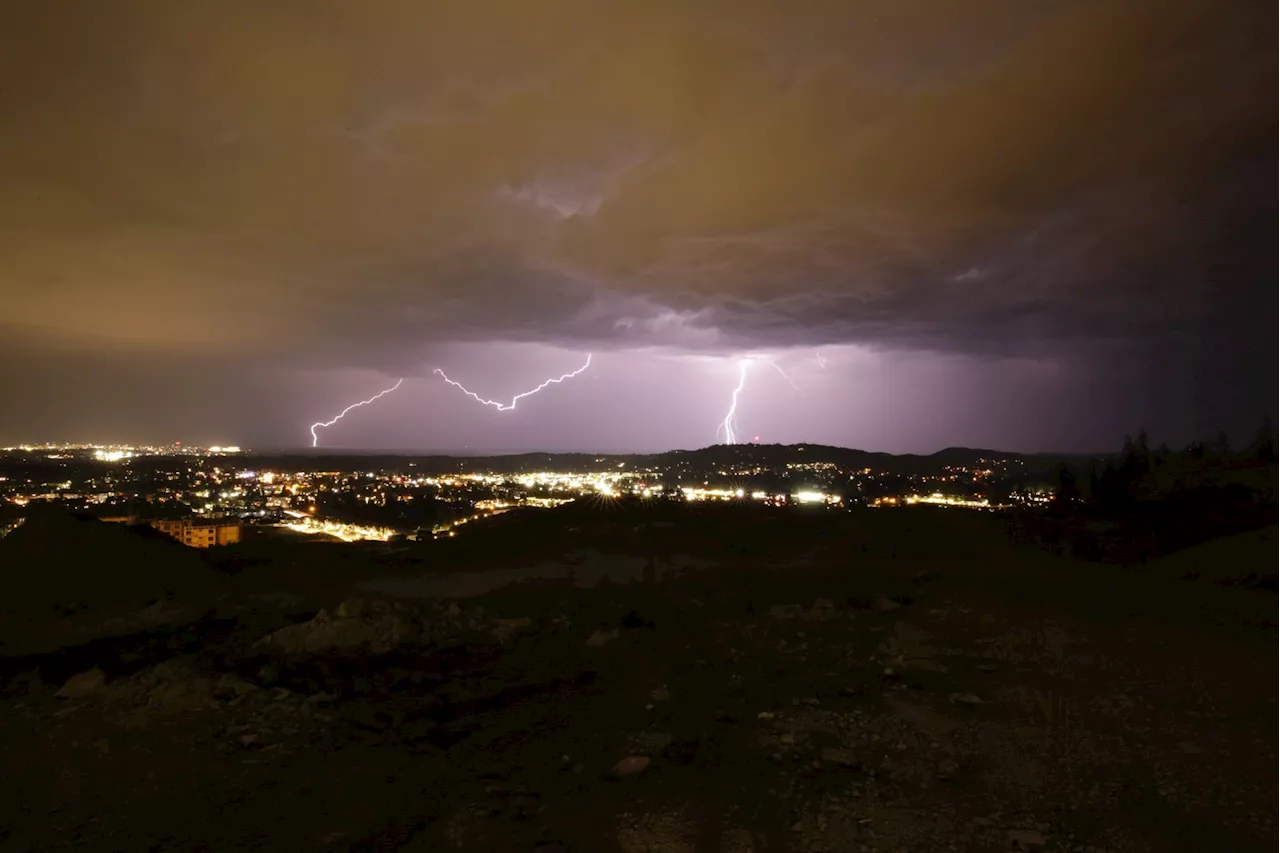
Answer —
(352, 608)
(505, 629)
(82, 684)
(599, 638)
(378, 628)
(631, 765)
(884, 604)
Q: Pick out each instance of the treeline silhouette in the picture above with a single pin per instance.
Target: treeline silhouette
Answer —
(1148, 502)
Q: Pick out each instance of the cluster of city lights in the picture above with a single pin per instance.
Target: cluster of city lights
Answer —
(117, 452)
(303, 523)
(938, 499)
(721, 494)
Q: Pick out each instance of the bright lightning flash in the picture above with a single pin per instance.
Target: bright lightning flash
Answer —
(506, 407)
(315, 439)
(729, 423)
(822, 362)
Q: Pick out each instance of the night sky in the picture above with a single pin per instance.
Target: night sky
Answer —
(1023, 225)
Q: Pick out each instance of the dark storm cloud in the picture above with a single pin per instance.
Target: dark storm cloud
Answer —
(356, 184)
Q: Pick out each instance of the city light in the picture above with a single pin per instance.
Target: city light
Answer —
(411, 501)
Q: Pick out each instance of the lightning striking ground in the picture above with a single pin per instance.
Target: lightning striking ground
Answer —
(315, 439)
(728, 424)
(506, 407)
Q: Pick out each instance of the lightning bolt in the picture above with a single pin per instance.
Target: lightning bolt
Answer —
(501, 407)
(775, 366)
(315, 439)
(822, 362)
(728, 424)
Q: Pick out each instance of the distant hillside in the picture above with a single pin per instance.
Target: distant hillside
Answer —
(770, 455)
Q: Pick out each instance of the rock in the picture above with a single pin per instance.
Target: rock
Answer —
(823, 608)
(352, 608)
(785, 611)
(662, 694)
(630, 766)
(505, 629)
(247, 740)
(884, 604)
(233, 687)
(82, 684)
(787, 738)
(379, 629)
(765, 715)
(923, 576)
(986, 667)
(840, 757)
(1026, 838)
(967, 699)
(599, 638)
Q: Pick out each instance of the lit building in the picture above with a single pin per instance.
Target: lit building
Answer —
(199, 533)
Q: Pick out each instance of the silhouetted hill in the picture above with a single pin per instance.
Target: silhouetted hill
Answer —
(1246, 559)
(771, 455)
(61, 568)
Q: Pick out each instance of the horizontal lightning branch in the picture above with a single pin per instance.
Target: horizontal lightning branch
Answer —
(506, 407)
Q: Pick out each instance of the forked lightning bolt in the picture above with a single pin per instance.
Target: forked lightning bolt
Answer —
(315, 439)
(728, 424)
(506, 407)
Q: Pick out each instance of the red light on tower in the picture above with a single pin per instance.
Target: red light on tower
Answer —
(177, 444)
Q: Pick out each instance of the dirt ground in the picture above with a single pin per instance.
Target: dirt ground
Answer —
(850, 685)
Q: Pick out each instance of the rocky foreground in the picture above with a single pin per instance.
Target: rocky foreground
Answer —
(777, 709)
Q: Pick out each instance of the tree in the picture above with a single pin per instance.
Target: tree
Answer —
(1068, 491)
(1222, 444)
(1135, 458)
(1264, 443)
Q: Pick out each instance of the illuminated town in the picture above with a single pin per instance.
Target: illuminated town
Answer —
(196, 493)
